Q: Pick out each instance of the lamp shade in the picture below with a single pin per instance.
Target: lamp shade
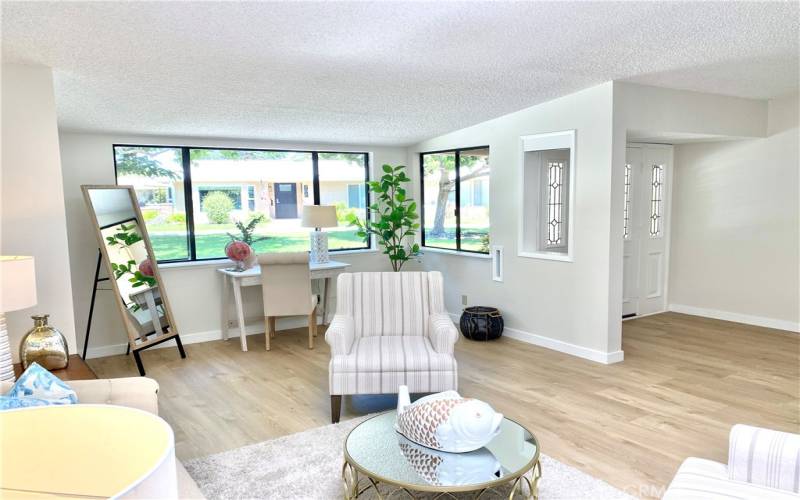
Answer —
(319, 216)
(17, 283)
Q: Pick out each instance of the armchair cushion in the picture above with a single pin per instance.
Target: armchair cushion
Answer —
(393, 354)
(764, 457)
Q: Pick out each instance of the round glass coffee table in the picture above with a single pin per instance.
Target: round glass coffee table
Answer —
(381, 462)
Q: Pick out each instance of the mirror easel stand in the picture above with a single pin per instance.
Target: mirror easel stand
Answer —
(121, 233)
(136, 356)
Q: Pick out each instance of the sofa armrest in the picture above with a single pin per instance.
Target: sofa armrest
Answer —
(764, 457)
(443, 333)
(340, 334)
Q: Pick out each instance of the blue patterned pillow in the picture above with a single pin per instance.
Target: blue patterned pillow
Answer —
(38, 383)
(9, 403)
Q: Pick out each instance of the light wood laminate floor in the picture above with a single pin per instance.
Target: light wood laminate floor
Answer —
(684, 382)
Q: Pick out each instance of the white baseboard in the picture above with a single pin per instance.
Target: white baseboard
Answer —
(747, 319)
(251, 328)
(559, 345)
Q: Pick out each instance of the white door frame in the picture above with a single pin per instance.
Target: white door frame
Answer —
(669, 180)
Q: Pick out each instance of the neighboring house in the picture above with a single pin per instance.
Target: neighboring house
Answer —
(277, 188)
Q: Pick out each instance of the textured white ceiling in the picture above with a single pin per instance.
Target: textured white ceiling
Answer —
(383, 72)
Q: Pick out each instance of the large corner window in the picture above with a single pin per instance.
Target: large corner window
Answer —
(191, 198)
(455, 199)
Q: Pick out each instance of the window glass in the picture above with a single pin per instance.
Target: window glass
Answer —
(231, 186)
(272, 184)
(656, 200)
(474, 212)
(555, 178)
(626, 223)
(451, 178)
(156, 173)
(439, 185)
(342, 184)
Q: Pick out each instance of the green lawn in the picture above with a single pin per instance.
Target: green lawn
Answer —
(173, 245)
(470, 238)
(169, 246)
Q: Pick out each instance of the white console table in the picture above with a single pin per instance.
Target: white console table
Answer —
(252, 277)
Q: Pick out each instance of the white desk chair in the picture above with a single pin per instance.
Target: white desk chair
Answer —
(286, 287)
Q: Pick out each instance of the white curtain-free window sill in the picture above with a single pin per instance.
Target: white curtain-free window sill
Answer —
(425, 250)
(559, 256)
(227, 262)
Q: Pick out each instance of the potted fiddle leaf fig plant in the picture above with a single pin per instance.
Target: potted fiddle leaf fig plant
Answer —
(395, 217)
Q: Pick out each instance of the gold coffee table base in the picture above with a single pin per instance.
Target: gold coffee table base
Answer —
(358, 483)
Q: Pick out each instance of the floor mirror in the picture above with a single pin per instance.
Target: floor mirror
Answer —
(132, 268)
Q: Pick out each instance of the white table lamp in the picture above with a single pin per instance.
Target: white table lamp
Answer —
(17, 291)
(319, 216)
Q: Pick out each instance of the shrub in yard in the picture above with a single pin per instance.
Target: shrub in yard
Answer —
(149, 214)
(218, 207)
(263, 215)
(342, 212)
(177, 218)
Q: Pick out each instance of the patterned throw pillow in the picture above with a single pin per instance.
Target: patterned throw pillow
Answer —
(9, 403)
(38, 383)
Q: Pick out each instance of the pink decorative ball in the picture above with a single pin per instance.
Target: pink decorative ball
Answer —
(238, 251)
(146, 267)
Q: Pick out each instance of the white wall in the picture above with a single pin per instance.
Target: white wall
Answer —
(562, 305)
(33, 220)
(736, 226)
(660, 112)
(194, 289)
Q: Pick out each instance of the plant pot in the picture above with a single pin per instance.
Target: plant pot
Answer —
(481, 323)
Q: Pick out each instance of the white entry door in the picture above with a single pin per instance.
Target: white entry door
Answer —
(648, 174)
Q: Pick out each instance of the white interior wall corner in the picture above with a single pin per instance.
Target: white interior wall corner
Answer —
(33, 213)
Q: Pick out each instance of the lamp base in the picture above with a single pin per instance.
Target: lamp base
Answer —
(319, 247)
(6, 363)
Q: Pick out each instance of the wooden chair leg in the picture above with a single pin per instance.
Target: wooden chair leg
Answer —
(312, 327)
(336, 408)
(272, 320)
(268, 321)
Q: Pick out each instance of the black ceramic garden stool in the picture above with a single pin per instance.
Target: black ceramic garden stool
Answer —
(481, 323)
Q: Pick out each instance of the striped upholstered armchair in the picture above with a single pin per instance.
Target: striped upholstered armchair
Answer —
(390, 329)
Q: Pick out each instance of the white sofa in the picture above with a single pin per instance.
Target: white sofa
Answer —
(762, 464)
(390, 329)
(133, 392)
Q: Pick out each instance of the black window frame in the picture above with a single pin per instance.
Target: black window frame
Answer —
(457, 152)
(187, 187)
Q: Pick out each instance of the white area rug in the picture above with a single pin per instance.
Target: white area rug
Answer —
(308, 465)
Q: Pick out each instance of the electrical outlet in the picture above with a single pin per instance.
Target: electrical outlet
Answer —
(464, 300)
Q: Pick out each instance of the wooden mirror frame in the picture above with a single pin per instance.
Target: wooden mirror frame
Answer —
(137, 341)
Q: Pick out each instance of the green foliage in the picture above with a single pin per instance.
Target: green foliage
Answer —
(396, 217)
(125, 237)
(343, 212)
(484, 243)
(149, 214)
(177, 218)
(142, 161)
(247, 230)
(138, 279)
(218, 207)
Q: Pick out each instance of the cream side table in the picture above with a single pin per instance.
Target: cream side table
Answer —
(86, 451)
